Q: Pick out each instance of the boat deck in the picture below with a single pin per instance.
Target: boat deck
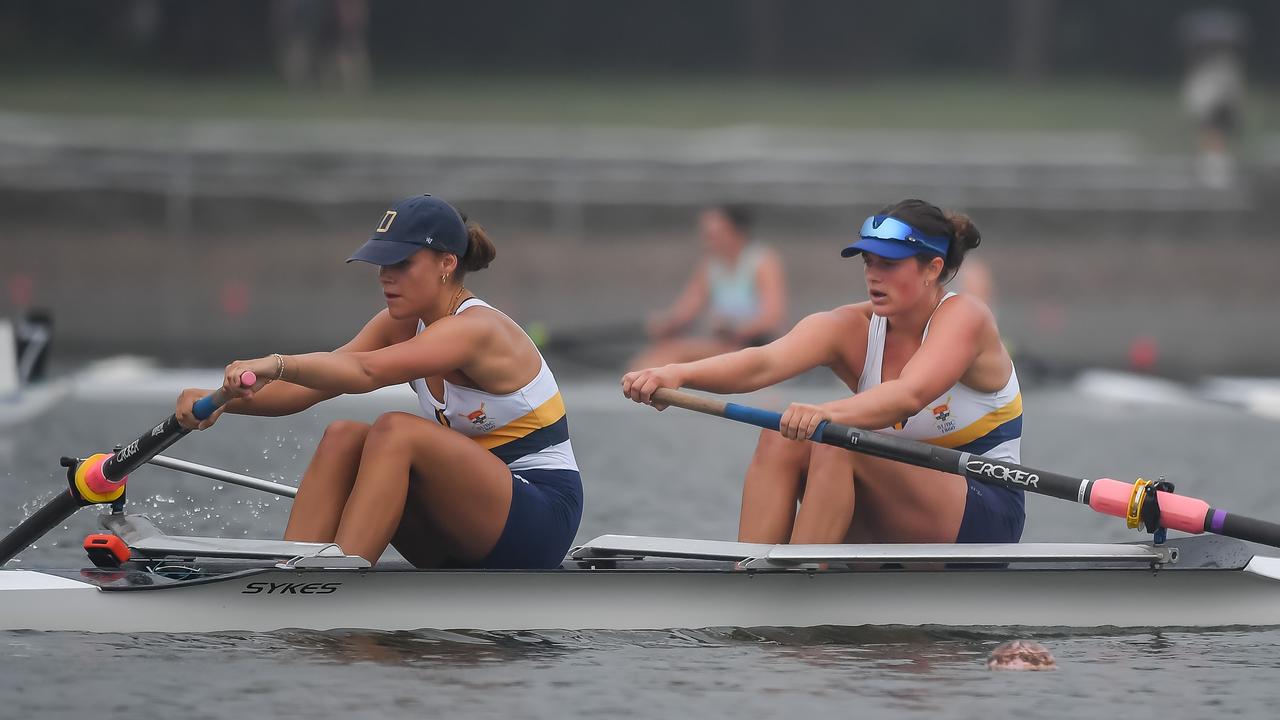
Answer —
(162, 561)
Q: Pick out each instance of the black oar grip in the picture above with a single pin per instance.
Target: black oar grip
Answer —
(51, 515)
(1247, 528)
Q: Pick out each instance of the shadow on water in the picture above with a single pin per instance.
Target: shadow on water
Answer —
(907, 649)
(902, 671)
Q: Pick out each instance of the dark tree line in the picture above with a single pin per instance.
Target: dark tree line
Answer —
(1029, 39)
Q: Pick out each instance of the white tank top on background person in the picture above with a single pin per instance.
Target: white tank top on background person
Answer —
(734, 295)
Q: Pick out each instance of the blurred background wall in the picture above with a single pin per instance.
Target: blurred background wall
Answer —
(184, 179)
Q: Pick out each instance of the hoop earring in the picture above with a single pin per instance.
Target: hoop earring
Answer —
(444, 279)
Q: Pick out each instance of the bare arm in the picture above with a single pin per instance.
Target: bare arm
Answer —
(812, 342)
(943, 359)
(286, 398)
(809, 344)
(446, 345)
(686, 307)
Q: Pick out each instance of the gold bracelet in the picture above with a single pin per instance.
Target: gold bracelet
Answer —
(279, 365)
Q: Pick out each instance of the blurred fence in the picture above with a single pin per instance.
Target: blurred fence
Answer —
(572, 168)
(1095, 242)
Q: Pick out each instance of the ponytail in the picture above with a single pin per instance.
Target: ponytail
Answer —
(480, 250)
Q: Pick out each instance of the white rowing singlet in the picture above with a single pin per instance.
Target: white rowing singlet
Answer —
(964, 419)
(527, 429)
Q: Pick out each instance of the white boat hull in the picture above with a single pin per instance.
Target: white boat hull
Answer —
(630, 599)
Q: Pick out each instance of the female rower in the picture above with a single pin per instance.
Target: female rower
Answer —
(488, 477)
(741, 286)
(923, 363)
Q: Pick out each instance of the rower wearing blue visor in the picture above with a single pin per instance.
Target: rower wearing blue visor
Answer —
(920, 362)
(891, 238)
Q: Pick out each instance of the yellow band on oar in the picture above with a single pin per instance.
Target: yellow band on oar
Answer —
(1133, 517)
(90, 483)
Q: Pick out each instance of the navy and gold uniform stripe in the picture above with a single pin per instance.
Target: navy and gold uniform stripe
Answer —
(540, 428)
(539, 439)
(992, 429)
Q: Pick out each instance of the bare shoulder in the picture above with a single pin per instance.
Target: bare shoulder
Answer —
(852, 316)
(769, 254)
(967, 309)
(480, 317)
(835, 323)
(484, 323)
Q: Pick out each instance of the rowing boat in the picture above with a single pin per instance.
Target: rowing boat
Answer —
(144, 580)
(191, 584)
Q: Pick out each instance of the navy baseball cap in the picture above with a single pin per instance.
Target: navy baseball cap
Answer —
(891, 238)
(417, 222)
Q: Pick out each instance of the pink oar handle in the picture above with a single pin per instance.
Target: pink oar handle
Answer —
(1177, 512)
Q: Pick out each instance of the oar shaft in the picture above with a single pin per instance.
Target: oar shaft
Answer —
(50, 515)
(1245, 528)
(155, 441)
(1110, 497)
(225, 476)
(99, 479)
(132, 456)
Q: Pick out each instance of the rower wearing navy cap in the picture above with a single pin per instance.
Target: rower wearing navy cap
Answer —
(922, 363)
(485, 476)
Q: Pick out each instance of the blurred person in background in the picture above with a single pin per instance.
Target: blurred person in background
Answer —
(923, 363)
(1213, 91)
(741, 286)
(317, 40)
(975, 279)
(351, 52)
(485, 476)
(32, 329)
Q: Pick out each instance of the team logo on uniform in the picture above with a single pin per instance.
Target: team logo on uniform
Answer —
(481, 421)
(942, 416)
(942, 412)
(387, 219)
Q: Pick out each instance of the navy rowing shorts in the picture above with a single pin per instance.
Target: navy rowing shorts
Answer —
(546, 507)
(992, 514)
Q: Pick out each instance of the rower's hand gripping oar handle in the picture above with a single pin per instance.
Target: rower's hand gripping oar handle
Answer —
(1106, 496)
(767, 419)
(204, 408)
(101, 478)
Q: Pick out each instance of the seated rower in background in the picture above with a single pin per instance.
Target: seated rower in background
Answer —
(923, 363)
(739, 283)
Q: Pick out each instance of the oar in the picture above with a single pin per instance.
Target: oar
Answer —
(101, 478)
(225, 476)
(1141, 501)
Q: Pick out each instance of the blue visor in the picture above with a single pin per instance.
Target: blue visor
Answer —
(891, 238)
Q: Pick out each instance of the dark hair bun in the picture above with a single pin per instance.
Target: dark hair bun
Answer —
(966, 233)
(480, 249)
(929, 219)
(739, 216)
